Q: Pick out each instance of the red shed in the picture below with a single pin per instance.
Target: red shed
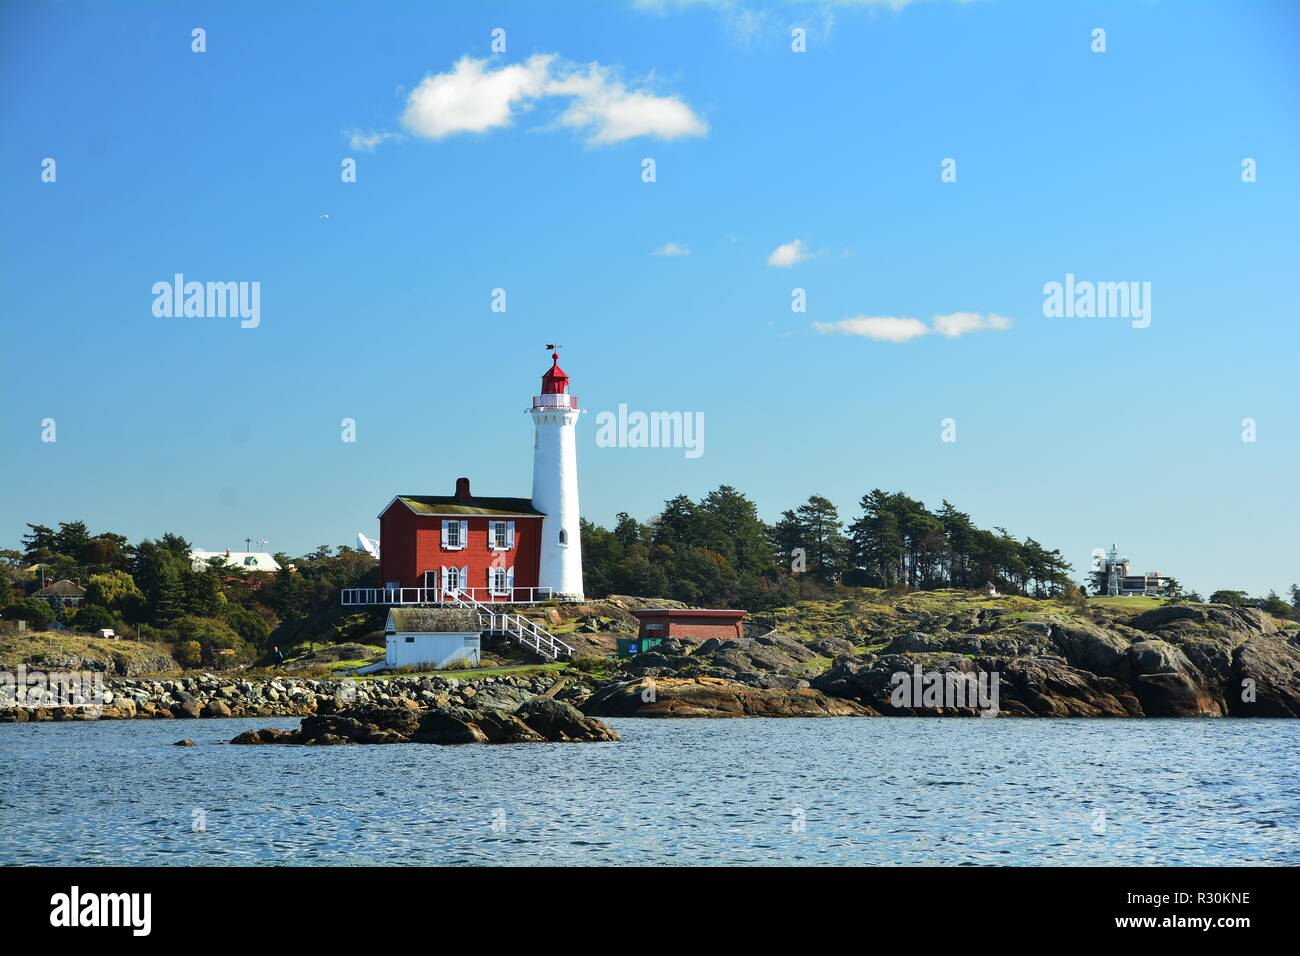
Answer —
(689, 622)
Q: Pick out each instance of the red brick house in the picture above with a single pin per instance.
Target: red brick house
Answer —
(487, 547)
(70, 593)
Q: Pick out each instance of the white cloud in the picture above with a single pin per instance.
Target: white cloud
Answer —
(787, 255)
(883, 328)
(472, 98)
(366, 142)
(672, 249)
(892, 329)
(959, 323)
(614, 113)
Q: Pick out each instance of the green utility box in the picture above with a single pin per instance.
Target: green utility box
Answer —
(632, 646)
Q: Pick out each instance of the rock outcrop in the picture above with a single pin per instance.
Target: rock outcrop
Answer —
(1266, 677)
(1050, 660)
(713, 697)
(542, 720)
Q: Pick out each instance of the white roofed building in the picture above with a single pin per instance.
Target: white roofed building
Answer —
(247, 560)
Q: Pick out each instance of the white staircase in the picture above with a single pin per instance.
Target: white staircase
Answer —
(519, 629)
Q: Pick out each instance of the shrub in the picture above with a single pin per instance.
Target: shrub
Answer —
(35, 612)
(214, 635)
(1234, 598)
(94, 618)
(595, 666)
(189, 654)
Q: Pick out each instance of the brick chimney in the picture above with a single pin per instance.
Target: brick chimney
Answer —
(462, 489)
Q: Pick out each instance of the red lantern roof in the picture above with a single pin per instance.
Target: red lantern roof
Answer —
(555, 382)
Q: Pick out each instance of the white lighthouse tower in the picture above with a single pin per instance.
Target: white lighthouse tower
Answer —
(555, 482)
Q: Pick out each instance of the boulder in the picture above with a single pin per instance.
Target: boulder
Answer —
(216, 708)
(446, 727)
(1271, 662)
(1168, 685)
(325, 740)
(506, 728)
(1092, 648)
(1046, 688)
(554, 720)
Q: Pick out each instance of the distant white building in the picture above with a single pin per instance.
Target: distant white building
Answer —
(248, 560)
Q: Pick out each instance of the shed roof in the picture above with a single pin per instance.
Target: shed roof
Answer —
(431, 619)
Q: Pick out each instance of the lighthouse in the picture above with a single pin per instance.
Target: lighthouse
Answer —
(555, 482)
(474, 546)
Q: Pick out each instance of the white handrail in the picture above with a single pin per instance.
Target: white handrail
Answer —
(398, 596)
(520, 628)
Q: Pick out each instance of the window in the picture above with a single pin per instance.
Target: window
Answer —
(451, 534)
(501, 581)
(501, 535)
(564, 536)
(410, 640)
(451, 578)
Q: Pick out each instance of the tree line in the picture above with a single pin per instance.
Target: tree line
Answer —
(718, 550)
(213, 615)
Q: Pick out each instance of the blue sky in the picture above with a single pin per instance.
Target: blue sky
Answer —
(1115, 166)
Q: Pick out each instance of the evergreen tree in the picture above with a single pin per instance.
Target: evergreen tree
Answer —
(823, 539)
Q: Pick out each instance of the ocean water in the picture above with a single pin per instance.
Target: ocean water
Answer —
(741, 792)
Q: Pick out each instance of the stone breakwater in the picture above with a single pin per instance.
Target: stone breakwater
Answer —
(209, 695)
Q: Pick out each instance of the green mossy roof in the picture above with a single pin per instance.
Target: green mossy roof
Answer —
(432, 620)
(450, 505)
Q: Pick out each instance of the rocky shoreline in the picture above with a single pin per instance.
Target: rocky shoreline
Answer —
(1173, 661)
(213, 696)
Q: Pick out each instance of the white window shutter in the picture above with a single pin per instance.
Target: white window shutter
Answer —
(510, 535)
(443, 539)
(510, 581)
(464, 578)
(464, 533)
(445, 583)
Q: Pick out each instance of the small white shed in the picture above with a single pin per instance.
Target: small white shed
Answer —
(431, 637)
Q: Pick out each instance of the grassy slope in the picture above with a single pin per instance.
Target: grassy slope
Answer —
(16, 648)
(871, 614)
